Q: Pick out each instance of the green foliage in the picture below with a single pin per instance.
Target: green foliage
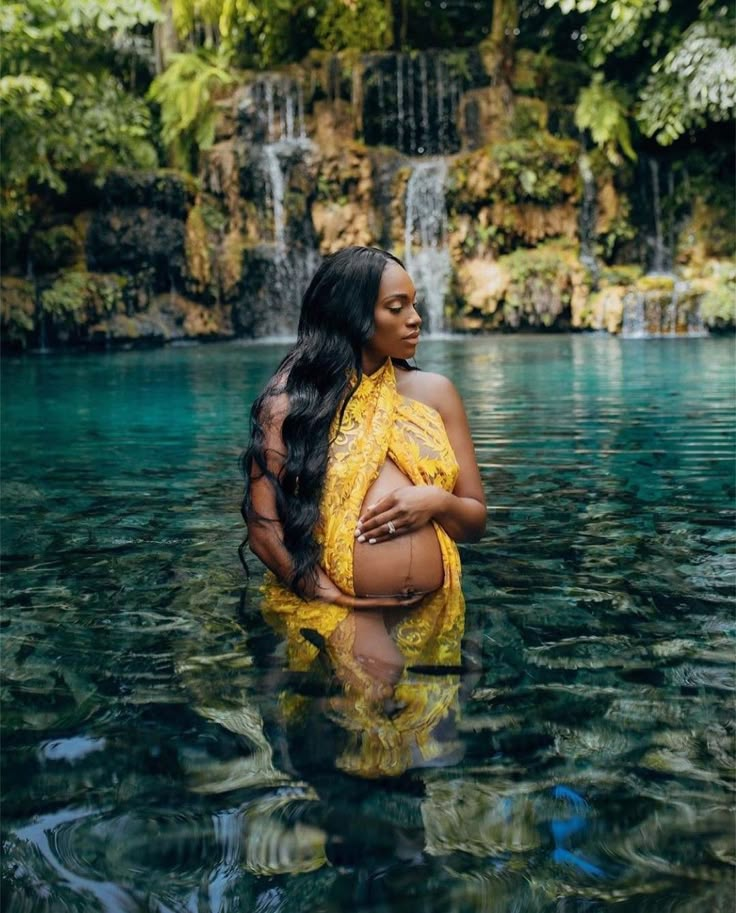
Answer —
(694, 83)
(457, 63)
(602, 109)
(718, 305)
(530, 169)
(260, 33)
(541, 283)
(66, 296)
(365, 25)
(17, 310)
(62, 108)
(612, 23)
(56, 247)
(481, 238)
(186, 91)
(77, 296)
(91, 124)
(189, 14)
(680, 62)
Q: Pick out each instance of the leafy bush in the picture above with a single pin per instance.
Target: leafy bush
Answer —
(186, 92)
(718, 306)
(602, 109)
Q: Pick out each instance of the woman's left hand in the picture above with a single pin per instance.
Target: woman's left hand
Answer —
(402, 510)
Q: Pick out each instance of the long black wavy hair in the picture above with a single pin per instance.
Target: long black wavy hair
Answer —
(336, 321)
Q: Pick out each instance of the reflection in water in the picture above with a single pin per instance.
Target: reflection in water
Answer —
(397, 683)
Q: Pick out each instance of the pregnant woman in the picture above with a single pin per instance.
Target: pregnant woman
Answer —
(360, 478)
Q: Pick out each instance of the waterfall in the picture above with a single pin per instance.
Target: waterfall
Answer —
(588, 216)
(440, 95)
(399, 104)
(275, 183)
(411, 111)
(662, 313)
(279, 269)
(661, 259)
(426, 254)
(284, 103)
(634, 318)
(411, 102)
(425, 138)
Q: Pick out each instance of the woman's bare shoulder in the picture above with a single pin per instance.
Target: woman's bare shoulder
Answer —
(432, 389)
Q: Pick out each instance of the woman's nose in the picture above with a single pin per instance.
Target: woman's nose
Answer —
(415, 319)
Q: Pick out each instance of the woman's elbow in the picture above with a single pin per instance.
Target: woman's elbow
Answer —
(477, 529)
(257, 540)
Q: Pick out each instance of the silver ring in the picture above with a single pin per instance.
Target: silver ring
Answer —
(391, 528)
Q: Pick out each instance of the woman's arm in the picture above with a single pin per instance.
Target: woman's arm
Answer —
(265, 532)
(462, 513)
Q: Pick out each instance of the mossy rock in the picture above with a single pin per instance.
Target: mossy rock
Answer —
(718, 304)
(56, 248)
(545, 283)
(196, 245)
(541, 169)
(230, 263)
(164, 189)
(664, 284)
(535, 169)
(530, 116)
(621, 274)
(77, 297)
(17, 312)
(707, 233)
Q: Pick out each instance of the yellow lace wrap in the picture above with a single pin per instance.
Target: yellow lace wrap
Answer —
(379, 424)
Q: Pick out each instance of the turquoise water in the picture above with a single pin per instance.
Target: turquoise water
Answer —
(158, 756)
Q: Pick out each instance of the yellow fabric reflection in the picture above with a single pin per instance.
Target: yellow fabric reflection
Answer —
(391, 723)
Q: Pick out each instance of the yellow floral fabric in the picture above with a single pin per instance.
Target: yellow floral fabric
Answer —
(379, 424)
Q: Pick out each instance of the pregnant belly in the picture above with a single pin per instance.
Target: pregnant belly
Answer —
(411, 561)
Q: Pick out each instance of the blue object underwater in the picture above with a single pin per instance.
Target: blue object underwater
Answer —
(563, 828)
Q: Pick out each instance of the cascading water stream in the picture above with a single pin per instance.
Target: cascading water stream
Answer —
(426, 254)
(588, 215)
(275, 178)
(285, 264)
(646, 316)
(411, 104)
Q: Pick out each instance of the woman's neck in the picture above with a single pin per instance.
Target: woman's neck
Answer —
(372, 363)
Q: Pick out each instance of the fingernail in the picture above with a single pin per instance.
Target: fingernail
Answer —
(361, 539)
(371, 541)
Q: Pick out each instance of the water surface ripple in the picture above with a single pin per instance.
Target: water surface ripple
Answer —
(158, 754)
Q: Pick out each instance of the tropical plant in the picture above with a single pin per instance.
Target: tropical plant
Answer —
(257, 33)
(602, 108)
(186, 91)
(694, 83)
(679, 60)
(63, 106)
(364, 25)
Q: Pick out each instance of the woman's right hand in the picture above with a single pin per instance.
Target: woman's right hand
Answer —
(327, 591)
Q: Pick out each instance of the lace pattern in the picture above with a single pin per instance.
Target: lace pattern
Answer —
(378, 423)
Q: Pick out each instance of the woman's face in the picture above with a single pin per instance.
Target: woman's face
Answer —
(396, 320)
